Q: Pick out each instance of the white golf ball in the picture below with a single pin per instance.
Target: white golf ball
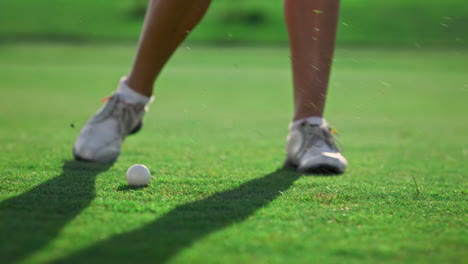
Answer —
(138, 175)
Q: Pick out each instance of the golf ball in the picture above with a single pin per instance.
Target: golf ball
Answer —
(138, 175)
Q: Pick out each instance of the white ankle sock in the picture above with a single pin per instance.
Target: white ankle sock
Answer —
(313, 120)
(130, 95)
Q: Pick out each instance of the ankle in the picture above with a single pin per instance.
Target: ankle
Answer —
(313, 120)
(130, 95)
(139, 86)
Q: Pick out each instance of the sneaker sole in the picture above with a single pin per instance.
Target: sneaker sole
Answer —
(289, 165)
(137, 128)
(320, 169)
(79, 158)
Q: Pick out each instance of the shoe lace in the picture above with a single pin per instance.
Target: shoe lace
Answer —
(122, 111)
(333, 139)
(318, 133)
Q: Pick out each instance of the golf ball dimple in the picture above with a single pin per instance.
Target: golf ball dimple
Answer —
(138, 175)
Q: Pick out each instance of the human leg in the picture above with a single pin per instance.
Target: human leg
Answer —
(312, 28)
(167, 23)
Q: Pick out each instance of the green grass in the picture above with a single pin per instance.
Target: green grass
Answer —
(396, 22)
(214, 141)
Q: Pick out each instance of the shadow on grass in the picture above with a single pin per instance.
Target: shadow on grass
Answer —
(127, 187)
(162, 239)
(29, 221)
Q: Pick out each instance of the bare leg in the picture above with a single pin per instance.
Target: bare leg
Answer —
(312, 29)
(167, 24)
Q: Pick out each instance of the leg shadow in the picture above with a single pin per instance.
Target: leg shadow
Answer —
(29, 221)
(162, 239)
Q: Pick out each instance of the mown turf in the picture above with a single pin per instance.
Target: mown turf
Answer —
(214, 141)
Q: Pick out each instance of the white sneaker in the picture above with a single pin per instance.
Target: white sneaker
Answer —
(311, 148)
(102, 136)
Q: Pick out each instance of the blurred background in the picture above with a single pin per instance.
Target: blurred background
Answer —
(363, 22)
